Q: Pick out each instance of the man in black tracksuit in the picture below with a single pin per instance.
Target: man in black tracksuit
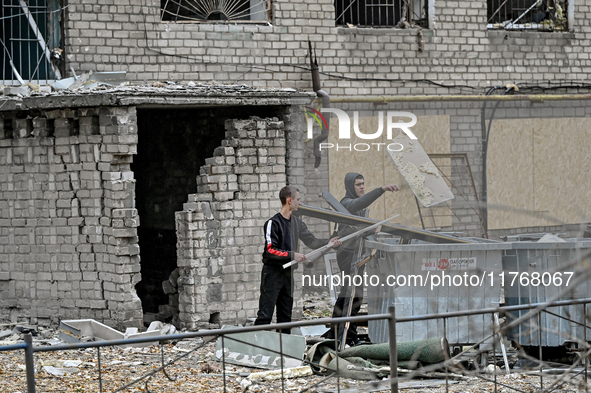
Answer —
(282, 234)
(356, 202)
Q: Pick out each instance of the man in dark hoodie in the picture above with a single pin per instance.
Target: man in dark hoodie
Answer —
(356, 202)
(282, 234)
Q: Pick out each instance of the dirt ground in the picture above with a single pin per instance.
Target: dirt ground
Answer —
(196, 369)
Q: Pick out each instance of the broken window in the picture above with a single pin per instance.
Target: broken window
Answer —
(30, 41)
(215, 10)
(541, 15)
(381, 13)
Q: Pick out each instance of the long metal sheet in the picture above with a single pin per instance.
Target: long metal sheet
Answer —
(397, 230)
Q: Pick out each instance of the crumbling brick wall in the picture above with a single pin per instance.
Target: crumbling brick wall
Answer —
(68, 244)
(219, 231)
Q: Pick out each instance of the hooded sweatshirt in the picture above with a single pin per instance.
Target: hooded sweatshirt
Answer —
(356, 205)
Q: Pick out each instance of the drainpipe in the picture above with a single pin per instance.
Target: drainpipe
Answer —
(485, 136)
(325, 104)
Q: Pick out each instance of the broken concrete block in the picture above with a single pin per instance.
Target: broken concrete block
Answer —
(168, 288)
(161, 328)
(150, 317)
(294, 372)
(245, 354)
(20, 329)
(165, 311)
(173, 300)
(155, 325)
(174, 276)
(60, 371)
(81, 330)
(16, 91)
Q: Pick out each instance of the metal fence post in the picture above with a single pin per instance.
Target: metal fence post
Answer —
(393, 349)
(29, 363)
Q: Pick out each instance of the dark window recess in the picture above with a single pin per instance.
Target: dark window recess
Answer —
(543, 15)
(173, 144)
(30, 41)
(214, 11)
(380, 13)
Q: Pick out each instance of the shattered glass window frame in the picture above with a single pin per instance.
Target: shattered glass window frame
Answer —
(30, 41)
(381, 13)
(535, 15)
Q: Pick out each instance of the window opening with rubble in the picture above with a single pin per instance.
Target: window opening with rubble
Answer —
(30, 34)
(538, 15)
(215, 10)
(381, 13)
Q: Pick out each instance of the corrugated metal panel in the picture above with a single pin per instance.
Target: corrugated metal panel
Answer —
(546, 259)
(411, 300)
(486, 260)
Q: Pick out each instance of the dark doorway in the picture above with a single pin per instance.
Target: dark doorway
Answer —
(172, 145)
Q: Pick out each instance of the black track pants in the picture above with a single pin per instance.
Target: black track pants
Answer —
(276, 290)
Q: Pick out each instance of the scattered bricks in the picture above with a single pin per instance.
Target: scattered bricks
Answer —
(275, 125)
(239, 125)
(22, 128)
(168, 288)
(16, 91)
(174, 276)
(173, 300)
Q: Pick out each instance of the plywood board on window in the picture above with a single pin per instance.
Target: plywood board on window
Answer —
(538, 172)
(434, 135)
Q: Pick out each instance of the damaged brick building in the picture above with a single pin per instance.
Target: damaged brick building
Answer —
(106, 193)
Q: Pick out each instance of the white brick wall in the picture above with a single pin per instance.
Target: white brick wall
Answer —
(219, 231)
(458, 49)
(67, 216)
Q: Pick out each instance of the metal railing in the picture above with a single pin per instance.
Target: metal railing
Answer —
(29, 40)
(543, 15)
(379, 13)
(497, 331)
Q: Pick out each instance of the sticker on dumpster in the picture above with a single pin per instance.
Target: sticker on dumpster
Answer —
(449, 263)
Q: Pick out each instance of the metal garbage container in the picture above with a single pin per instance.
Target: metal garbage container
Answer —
(422, 279)
(536, 272)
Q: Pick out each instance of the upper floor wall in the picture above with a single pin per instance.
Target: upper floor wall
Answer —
(464, 47)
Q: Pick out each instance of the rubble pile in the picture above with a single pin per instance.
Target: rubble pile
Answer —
(114, 82)
(167, 312)
(170, 287)
(194, 366)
